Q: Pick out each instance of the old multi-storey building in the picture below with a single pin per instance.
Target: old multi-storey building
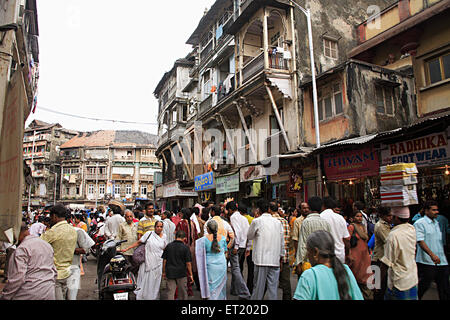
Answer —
(250, 59)
(102, 165)
(41, 143)
(19, 73)
(250, 130)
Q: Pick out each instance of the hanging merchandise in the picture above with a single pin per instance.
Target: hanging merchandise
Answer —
(398, 184)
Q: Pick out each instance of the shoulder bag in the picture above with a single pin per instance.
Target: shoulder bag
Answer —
(353, 238)
(139, 253)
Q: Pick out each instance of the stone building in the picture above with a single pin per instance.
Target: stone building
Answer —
(102, 165)
(41, 143)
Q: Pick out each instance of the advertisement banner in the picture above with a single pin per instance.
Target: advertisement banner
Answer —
(227, 184)
(430, 150)
(351, 164)
(204, 182)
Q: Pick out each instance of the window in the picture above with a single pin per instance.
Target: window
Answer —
(117, 189)
(128, 190)
(91, 189)
(330, 101)
(143, 190)
(101, 189)
(385, 99)
(330, 48)
(274, 126)
(438, 68)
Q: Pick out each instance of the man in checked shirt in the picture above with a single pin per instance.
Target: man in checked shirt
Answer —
(285, 272)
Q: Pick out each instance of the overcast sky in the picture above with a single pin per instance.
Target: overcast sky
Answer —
(104, 58)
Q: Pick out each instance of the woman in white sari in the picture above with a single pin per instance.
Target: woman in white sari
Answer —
(150, 271)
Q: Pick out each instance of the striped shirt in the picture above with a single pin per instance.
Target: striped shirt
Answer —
(313, 222)
(146, 224)
(286, 235)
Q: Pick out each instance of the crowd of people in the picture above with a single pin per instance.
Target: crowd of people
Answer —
(381, 254)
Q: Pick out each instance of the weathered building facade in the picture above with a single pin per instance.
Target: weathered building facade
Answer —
(41, 143)
(251, 98)
(102, 165)
(19, 73)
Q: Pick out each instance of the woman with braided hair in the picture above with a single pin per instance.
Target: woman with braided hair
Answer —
(212, 263)
(328, 279)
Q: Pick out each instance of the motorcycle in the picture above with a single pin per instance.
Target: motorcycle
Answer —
(99, 241)
(115, 278)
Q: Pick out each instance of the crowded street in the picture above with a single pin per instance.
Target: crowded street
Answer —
(261, 152)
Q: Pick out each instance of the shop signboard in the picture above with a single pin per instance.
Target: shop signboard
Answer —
(227, 184)
(173, 190)
(204, 182)
(159, 192)
(351, 164)
(251, 173)
(430, 150)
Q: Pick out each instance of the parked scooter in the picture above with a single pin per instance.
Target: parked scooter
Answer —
(98, 239)
(114, 276)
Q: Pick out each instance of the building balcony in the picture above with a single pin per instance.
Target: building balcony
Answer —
(96, 177)
(206, 104)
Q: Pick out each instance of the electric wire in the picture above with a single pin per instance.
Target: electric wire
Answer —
(39, 107)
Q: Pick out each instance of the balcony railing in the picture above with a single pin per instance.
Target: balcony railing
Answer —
(252, 68)
(276, 61)
(205, 105)
(96, 177)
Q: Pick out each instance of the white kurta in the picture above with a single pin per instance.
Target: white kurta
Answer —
(150, 272)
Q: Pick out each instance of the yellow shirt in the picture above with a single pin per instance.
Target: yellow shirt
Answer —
(63, 238)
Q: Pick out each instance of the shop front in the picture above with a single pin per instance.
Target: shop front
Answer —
(205, 186)
(253, 185)
(353, 175)
(431, 154)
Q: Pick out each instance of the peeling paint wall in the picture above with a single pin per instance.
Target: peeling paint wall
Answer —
(359, 103)
(335, 19)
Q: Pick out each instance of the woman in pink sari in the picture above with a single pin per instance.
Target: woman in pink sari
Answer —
(359, 259)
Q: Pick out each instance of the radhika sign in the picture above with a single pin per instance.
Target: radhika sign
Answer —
(430, 150)
(351, 164)
(204, 182)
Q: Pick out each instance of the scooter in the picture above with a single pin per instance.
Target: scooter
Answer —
(115, 279)
(99, 241)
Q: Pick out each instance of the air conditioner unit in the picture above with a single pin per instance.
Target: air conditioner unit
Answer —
(253, 190)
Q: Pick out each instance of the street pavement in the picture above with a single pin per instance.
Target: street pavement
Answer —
(88, 290)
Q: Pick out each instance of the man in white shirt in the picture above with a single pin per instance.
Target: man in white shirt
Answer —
(38, 228)
(112, 224)
(268, 248)
(168, 227)
(339, 229)
(240, 226)
(399, 258)
(84, 243)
